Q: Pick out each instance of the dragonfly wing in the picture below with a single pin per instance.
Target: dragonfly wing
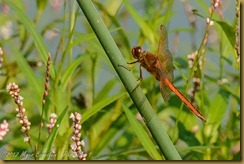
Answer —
(167, 65)
(165, 91)
(163, 41)
(164, 54)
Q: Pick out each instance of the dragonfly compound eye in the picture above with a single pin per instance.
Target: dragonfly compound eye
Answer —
(136, 51)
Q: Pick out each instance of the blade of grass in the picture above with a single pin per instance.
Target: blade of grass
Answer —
(97, 107)
(49, 143)
(218, 108)
(165, 144)
(31, 28)
(229, 31)
(146, 30)
(71, 69)
(142, 135)
(106, 139)
(30, 75)
(105, 90)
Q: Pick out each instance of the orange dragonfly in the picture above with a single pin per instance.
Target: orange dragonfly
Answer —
(161, 66)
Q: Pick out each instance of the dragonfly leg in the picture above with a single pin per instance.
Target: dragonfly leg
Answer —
(138, 84)
(134, 62)
(139, 79)
(129, 68)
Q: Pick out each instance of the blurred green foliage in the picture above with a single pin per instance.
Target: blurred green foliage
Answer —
(83, 79)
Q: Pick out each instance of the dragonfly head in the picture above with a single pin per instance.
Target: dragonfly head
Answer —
(136, 52)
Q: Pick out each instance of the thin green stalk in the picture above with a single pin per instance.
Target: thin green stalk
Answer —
(57, 78)
(73, 20)
(153, 123)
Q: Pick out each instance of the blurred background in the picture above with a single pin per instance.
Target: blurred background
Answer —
(83, 77)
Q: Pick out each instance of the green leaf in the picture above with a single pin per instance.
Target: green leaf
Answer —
(142, 135)
(41, 4)
(187, 135)
(32, 29)
(111, 135)
(50, 141)
(29, 75)
(217, 110)
(105, 90)
(71, 69)
(146, 30)
(218, 107)
(100, 105)
(229, 31)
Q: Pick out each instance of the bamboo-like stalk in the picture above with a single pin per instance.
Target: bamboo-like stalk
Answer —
(154, 125)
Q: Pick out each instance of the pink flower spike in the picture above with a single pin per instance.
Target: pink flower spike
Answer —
(3, 129)
(13, 90)
(77, 142)
(53, 120)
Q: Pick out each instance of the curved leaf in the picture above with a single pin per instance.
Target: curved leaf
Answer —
(142, 135)
(97, 107)
(71, 69)
(50, 141)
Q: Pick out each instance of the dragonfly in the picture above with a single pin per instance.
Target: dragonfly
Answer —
(161, 67)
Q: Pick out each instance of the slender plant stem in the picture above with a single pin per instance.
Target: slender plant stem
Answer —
(153, 123)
